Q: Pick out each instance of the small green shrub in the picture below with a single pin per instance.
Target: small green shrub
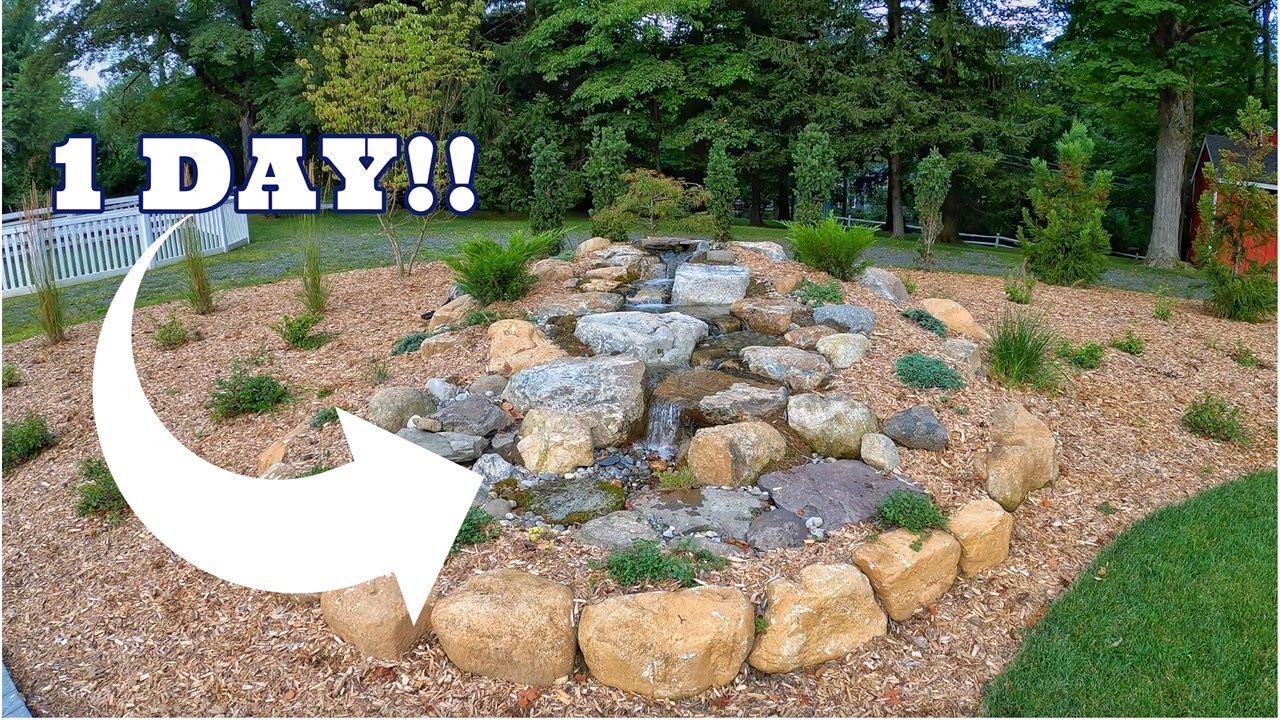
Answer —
(477, 527)
(922, 372)
(644, 561)
(491, 272)
(818, 294)
(409, 343)
(611, 223)
(316, 470)
(1022, 351)
(913, 511)
(1249, 296)
(681, 479)
(761, 624)
(245, 394)
(11, 376)
(1085, 356)
(910, 285)
(1130, 343)
(377, 371)
(24, 439)
(171, 334)
(1242, 355)
(323, 417)
(831, 247)
(480, 316)
(297, 331)
(1163, 308)
(1019, 287)
(98, 492)
(926, 320)
(1212, 417)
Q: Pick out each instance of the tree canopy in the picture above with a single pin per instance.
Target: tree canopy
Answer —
(636, 85)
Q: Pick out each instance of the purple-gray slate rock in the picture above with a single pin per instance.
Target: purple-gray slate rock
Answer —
(777, 529)
(917, 428)
(476, 415)
(841, 492)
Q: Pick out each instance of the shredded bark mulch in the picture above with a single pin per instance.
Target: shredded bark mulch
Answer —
(105, 621)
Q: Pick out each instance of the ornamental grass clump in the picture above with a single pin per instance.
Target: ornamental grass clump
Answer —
(37, 232)
(1022, 352)
(492, 272)
(831, 247)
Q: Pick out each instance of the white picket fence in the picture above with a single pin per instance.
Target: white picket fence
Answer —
(90, 247)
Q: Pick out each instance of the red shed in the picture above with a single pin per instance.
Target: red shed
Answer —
(1211, 152)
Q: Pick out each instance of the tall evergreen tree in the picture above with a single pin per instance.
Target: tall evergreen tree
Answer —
(550, 186)
(722, 189)
(1063, 236)
(815, 173)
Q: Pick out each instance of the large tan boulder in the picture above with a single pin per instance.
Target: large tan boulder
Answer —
(765, 315)
(614, 273)
(906, 578)
(668, 644)
(372, 616)
(1024, 458)
(442, 344)
(511, 625)
(956, 318)
(516, 344)
(735, 454)
(983, 529)
(452, 312)
(828, 614)
(586, 247)
(390, 408)
(806, 338)
(831, 424)
(554, 441)
(551, 270)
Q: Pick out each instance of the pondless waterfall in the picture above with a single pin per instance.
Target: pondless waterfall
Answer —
(662, 436)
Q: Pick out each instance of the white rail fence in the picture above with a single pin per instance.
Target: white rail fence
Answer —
(90, 247)
(996, 241)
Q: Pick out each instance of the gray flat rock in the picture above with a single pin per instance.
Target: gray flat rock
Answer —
(728, 512)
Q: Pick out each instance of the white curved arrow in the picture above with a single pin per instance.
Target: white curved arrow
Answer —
(394, 509)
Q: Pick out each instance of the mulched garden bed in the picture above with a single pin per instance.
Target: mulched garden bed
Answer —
(101, 621)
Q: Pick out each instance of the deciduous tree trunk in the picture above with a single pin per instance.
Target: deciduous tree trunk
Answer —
(950, 233)
(896, 221)
(248, 119)
(1177, 112)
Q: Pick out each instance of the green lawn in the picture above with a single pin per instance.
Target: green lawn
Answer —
(1183, 623)
(352, 242)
